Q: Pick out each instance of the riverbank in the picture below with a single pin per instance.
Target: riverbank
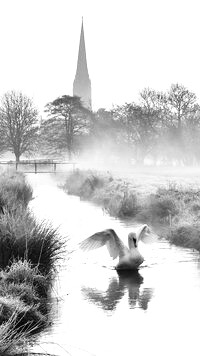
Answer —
(28, 253)
(170, 204)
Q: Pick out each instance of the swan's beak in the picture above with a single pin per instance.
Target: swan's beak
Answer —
(135, 242)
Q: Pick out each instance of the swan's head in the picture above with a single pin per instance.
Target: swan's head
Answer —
(132, 240)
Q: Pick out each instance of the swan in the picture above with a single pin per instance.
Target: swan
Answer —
(129, 258)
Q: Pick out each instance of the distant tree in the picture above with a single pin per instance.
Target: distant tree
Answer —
(138, 129)
(172, 108)
(176, 114)
(102, 139)
(18, 124)
(191, 139)
(181, 103)
(103, 126)
(180, 108)
(67, 120)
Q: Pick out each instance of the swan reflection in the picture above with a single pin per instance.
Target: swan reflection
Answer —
(126, 281)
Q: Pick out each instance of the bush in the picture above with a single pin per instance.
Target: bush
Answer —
(122, 205)
(27, 317)
(186, 236)
(114, 195)
(14, 191)
(23, 293)
(22, 237)
(161, 207)
(83, 183)
(22, 272)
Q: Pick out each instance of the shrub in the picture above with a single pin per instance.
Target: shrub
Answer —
(74, 182)
(186, 236)
(22, 272)
(22, 237)
(89, 185)
(23, 293)
(195, 207)
(122, 205)
(27, 316)
(14, 191)
(161, 207)
(84, 183)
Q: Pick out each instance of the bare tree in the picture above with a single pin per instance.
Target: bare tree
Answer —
(18, 123)
(177, 113)
(182, 103)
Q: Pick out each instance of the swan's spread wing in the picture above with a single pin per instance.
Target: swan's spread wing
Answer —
(145, 234)
(107, 237)
(115, 245)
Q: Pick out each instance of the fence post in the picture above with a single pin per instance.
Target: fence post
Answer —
(54, 167)
(170, 220)
(35, 167)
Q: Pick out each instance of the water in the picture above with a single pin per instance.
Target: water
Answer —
(98, 312)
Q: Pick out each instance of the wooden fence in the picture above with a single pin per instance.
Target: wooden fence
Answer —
(36, 165)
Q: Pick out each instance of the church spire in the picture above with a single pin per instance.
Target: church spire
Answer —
(82, 83)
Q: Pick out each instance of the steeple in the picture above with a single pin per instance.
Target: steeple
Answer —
(82, 83)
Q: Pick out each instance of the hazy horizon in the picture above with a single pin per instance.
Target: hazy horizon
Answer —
(130, 46)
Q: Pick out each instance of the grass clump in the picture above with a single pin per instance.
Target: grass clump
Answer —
(122, 204)
(28, 254)
(23, 303)
(104, 190)
(186, 236)
(83, 183)
(23, 273)
(13, 339)
(160, 207)
(22, 237)
(14, 191)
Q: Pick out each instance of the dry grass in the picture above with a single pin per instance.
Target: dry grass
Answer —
(12, 338)
(186, 236)
(113, 195)
(174, 205)
(23, 305)
(22, 237)
(28, 255)
(14, 191)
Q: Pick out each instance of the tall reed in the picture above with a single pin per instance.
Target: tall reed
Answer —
(29, 251)
(14, 191)
(22, 237)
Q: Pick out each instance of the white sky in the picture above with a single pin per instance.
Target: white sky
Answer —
(130, 45)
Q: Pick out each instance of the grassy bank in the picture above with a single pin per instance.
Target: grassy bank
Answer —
(174, 206)
(14, 191)
(28, 253)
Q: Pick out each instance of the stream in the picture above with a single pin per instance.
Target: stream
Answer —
(98, 312)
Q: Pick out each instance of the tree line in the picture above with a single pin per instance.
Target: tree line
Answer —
(162, 127)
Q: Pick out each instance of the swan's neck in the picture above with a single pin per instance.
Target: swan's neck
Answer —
(131, 244)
